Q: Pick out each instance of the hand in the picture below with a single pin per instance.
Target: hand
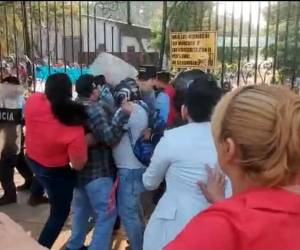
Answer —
(127, 107)
(90, 140)
(147, 134)
(214, 189)
(14, 237)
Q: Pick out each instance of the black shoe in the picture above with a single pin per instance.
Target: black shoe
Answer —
(6, 199)
(34, 201)
(25, 187)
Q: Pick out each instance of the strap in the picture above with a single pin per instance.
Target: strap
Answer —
(130, 138)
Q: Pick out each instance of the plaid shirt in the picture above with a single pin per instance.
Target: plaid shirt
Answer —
(108, 132)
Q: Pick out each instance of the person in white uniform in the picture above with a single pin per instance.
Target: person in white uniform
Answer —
(181, 157)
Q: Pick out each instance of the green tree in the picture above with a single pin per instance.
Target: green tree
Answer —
(286, 52)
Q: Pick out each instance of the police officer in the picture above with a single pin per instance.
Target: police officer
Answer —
(11, 102)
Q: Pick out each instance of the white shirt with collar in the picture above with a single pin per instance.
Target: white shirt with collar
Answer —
(180, 158)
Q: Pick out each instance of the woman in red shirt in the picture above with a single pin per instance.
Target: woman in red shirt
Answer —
(257, 135)
(54, 138)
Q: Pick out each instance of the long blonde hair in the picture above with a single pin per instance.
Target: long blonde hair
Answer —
(264, 122)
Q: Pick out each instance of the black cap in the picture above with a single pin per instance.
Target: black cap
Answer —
(163, 76)
(85, 85)
(147, 72)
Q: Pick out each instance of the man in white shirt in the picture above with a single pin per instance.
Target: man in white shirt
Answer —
(180, 158)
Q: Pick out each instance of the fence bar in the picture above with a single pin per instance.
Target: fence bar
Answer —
(287, 32)
(296, 43)
(240, 46)
(6, 31)
(223, 49)
(128, 12)
(1, 62)
(72, 32)
(80, 34)
(217, 20)
(88, 32)
(55, 27)
(15, 38)
(209, 18)
(48, 36)
(201, 19)
(257, 42)
(64, 35)
(112, 39)
(276, 41)
(232, 34)
(32, 46)
(267, 31)
(40, 28)
(95, 26)
(249, 32)
(104, 35)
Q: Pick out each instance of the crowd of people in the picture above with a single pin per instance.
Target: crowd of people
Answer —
(200, 169)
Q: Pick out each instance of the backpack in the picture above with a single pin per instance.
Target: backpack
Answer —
(143, 149)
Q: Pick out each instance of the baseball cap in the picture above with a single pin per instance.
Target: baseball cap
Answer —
(85, 85)
(147, 72)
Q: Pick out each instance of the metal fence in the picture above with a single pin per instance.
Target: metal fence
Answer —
(257, 41)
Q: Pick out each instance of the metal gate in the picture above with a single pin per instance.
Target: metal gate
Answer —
(257, 41)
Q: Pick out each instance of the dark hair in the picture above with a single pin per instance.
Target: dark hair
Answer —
(100, 80)
(85, 85)
(58, 90)
(201, 97)
(163, 76)
(12, 80)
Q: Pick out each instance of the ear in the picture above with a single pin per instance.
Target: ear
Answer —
(184, 113)
(230, 151)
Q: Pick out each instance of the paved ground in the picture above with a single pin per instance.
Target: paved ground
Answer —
(33, 219)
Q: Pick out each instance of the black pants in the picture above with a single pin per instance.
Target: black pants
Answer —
(7, 165)
(59, 184)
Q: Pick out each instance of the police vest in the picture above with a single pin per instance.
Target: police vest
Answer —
(8, 115)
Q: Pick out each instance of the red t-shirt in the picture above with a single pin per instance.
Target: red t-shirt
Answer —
(48, 141)
(261, 219)
(170, 91)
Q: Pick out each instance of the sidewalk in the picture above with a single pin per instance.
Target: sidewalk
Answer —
(33, 218)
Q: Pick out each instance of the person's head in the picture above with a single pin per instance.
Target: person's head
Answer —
(200, 98)
(126, 90)
(11, 80)
(257, 135)
(86, 87)
(146, 77)
(100, 80)
(162, 79)
(58, 90)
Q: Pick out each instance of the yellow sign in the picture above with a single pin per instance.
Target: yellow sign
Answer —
(193, 49)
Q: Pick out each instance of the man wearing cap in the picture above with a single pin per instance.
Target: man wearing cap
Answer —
(92, 195)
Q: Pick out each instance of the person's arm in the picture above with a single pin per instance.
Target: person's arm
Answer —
(163, 105)
(102, 129)
(77, 151)
(158, 167)
(209, 231)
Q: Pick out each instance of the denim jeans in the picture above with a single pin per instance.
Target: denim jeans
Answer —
(129, 205)
(59, 185)
(89, 200)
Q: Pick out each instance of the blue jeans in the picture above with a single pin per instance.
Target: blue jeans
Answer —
(92, 200)
(59, 185)
(129, 205)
